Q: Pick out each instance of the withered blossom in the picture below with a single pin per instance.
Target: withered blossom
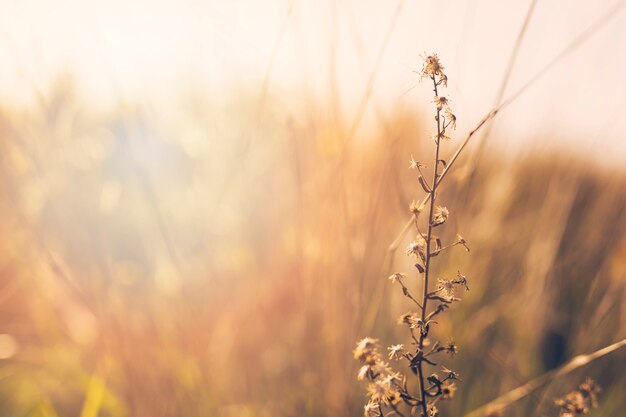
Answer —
(445, 287)
(448, 389)
(417, 248)
(371, 409)
(433, 411)
(396, 351)
(413, 164)
(450, 374)
(461, 241)
(363, 372)
(442, 135)
(397, 277)
(408, 318)
(451, 348)
(378, 391)
(450, 117)
(440, 215)
(461, 280)
(366, 351)
(432, 67)
(442, 102)
(381, 391)
(388, 390)
(579, 401)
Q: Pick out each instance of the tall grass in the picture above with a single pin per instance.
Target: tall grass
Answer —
(151, 267)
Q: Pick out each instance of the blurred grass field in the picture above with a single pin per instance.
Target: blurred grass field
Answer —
(225, 262)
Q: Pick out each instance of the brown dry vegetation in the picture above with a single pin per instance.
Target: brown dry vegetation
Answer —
(196, 264)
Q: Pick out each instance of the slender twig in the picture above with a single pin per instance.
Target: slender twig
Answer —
(369, 88)
(522, 391)
(383, 380)
(482, 140)
(571, 47)
(429, 234)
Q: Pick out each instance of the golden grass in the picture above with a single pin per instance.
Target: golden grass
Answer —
(151, 267)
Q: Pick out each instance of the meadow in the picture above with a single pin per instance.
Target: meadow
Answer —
(222, 255)
(151, 269)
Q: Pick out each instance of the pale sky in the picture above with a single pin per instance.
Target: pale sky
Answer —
(151, 50)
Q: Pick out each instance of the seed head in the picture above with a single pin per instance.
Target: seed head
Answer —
(413, 164)
(432, 67)
(440, 215)
(580, 401)
(445, 287)
(367, 351)
(395, 351)
(417, 248)
(371, 409)
(433, 411)
(397, 277)
(416, 207)
(442, 102)
(450, 117)
(448, 389)
(451, 348)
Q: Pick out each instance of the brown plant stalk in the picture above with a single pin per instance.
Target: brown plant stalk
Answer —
(388, 389)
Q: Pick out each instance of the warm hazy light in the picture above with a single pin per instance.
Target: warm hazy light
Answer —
(147, 50)
(201, 202)
(8, 346)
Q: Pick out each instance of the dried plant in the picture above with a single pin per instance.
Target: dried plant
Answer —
(388, 390)
(580, 401)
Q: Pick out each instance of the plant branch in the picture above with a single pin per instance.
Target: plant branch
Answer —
(520, 392)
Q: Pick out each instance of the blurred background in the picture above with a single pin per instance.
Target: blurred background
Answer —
(197, 200)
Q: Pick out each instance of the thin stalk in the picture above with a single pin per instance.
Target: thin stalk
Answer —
(431, 210)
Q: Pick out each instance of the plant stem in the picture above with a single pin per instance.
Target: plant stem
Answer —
(427, 261)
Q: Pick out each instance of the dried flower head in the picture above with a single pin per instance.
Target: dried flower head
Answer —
(397, 277)
(442, 102)
(441, 135)
(408, 318)
(417, 248)
(450, 117)
(378, 391)
(367, 351)
(433, 411)
(445, 288)
(580, 401)
(440, 215)
(363, 371)
(415, 207)
(396, 351)
(382, 391)
(387, 389)
(413, 164)
(432, 67)
(450, 374)
(461, 280)
(461, 241)
(371, 409)
(448, 389)
(451, 347)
